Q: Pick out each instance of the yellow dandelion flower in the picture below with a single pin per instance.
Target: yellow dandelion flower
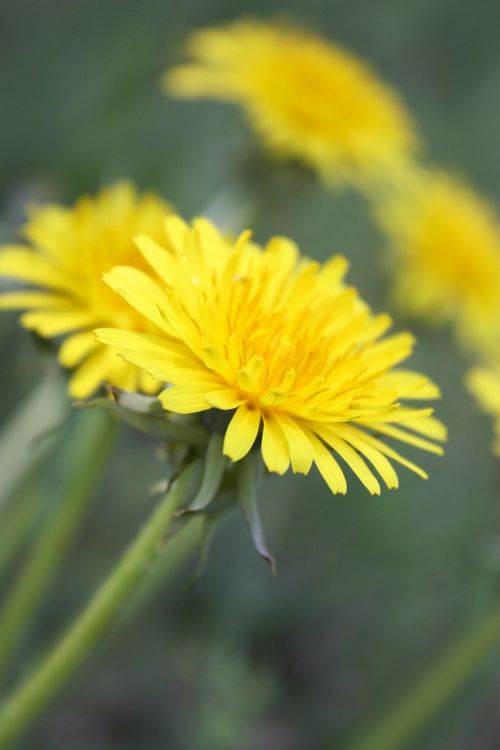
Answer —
(289, 356)
(484, 383)
(445, 243)
(305, 97)
(69, 249)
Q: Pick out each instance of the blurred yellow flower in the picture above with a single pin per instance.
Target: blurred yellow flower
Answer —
(69, 250)
(306, 98)
(445, 244)
(483, 382)
(277, 342)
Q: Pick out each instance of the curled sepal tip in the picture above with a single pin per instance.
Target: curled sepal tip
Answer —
(225, 484)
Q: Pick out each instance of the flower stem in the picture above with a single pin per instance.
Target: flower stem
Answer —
(434, 690)
(40, 687)
(85, 456)
(17, 522)
(179, 550)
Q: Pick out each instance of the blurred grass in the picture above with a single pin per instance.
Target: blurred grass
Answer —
(370, 590)
(84, 451)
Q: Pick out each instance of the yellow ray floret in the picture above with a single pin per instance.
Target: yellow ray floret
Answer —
(68, 250)
(279, 343)
(305, 97)
(445, 243)
(483, 382)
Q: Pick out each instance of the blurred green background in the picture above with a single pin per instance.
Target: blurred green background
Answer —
(370, 590)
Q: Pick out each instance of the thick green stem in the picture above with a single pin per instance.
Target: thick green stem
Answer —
(86, 454)
(435, 689)
(39, 688)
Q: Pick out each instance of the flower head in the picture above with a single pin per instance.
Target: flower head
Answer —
(484, 383)
(306, 98)
(446, 246)
(290, 358)
(68, 250)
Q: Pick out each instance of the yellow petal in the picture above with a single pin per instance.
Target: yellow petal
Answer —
(241, 432)
(39, 300)
(176, 231)
(274, 446)
(405, 437)
(299, 445)
(143, 342)
(387, 451)
(157, 257)
(26, 265)
(139, 290)
(225, 398)
(53, 323)
(183, 400)
(351, 457)
(430, 427)
(355, 437)
(397, 413)
(327, 466)
(90, 374)
(156, 365)
(211, 245)
(408, 384)
(147, 384)
(248, 376)
(76, 347)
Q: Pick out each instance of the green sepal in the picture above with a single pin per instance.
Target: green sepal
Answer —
(215, 465)
(223, 487)
(249, 472)
(146, 413)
